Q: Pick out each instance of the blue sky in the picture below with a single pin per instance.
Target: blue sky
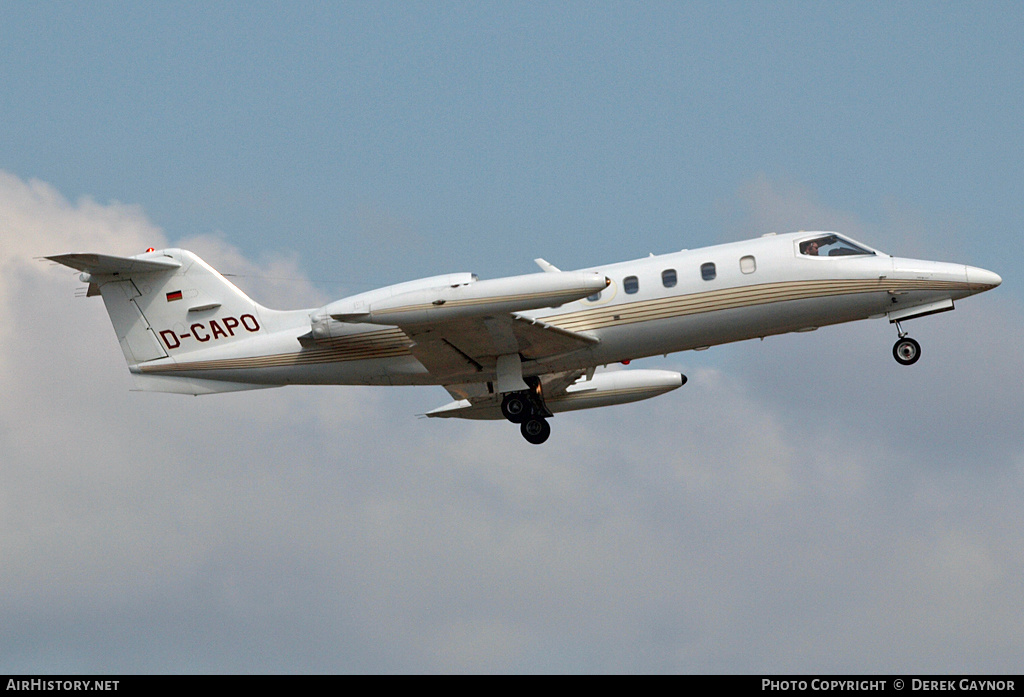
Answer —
(554, 127)
(321, 149)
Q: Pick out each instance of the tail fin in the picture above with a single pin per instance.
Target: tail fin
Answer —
(165, 303)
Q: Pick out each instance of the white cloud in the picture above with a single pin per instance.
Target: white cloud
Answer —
(275, 280)
(326, 529)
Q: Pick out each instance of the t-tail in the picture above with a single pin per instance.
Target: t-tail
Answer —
(166, 304)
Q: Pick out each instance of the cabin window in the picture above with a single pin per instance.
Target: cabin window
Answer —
(630, 284)
(668, 278)
(748, 264)
(707, 271)
(831, 246)
(595, 297)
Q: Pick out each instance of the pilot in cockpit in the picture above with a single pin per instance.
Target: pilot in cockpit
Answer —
(832, 246)
(810, 248)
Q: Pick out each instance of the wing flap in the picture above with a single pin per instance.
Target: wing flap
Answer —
(456, 351)
(539, 339)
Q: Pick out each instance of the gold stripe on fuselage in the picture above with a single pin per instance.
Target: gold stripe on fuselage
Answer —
(731, 298)
(385, 343)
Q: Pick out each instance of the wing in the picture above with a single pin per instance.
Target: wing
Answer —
(473, 331)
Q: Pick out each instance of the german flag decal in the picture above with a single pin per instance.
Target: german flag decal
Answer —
(174, 295)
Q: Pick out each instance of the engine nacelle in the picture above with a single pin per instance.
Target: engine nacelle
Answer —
(442, 303)
(321, 319)
(601, 390)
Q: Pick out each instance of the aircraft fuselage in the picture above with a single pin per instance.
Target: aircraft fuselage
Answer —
(692, 299)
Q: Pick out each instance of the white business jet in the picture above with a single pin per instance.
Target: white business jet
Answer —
(521, 348)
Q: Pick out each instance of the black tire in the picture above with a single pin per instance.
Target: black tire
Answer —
(535, 430)
(906, 351)
(515, 407)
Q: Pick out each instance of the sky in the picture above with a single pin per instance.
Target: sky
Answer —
(801, 505)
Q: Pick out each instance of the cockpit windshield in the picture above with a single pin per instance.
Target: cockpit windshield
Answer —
(831, 246)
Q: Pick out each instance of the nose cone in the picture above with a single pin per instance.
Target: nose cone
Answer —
(981, 280)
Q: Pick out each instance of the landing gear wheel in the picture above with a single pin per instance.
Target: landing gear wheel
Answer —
(906, 351)
(535, 430)
(515, 407)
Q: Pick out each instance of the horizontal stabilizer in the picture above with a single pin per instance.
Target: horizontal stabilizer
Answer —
(102, 264)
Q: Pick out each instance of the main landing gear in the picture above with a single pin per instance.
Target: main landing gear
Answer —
(535, 429)
(527, 409)
(906, 351)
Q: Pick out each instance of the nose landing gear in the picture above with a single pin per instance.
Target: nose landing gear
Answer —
(906, 351)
